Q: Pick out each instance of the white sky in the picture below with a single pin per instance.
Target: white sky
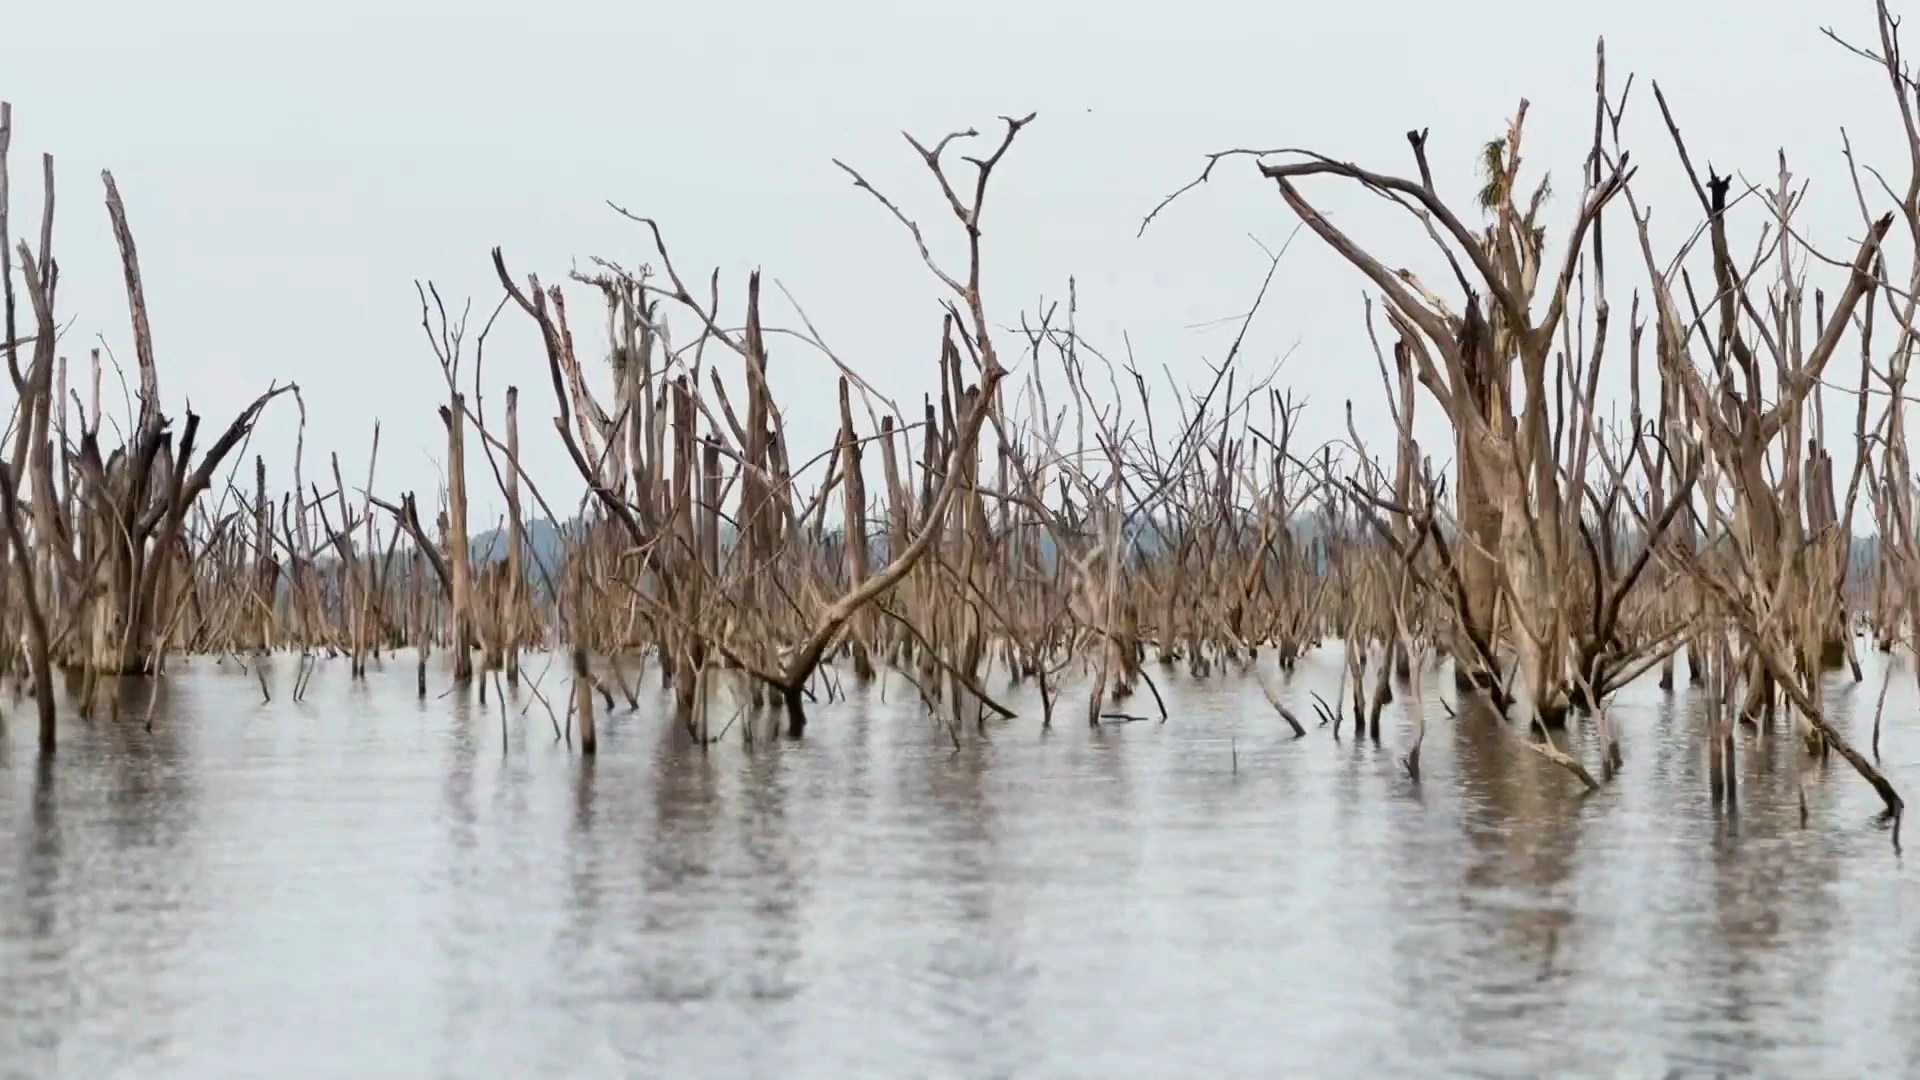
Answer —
(290, 170)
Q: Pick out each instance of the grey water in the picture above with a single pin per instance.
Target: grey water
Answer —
(364, 885)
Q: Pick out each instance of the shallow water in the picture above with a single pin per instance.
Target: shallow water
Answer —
(364, 885)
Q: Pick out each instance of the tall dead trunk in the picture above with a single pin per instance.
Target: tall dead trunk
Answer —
(853, 500)
(583, 700)
(421, 620)
(458, 554)
(38, 643)
(513, 627)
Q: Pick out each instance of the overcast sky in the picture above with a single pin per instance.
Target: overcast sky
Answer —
(290, 170)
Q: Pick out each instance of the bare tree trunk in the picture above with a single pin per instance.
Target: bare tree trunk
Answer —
(458, 564)
(583, 700)
(512, 626)
(37, 639)
(422, 623)
(854, 510)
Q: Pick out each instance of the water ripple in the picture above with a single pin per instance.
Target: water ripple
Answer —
(366, 885)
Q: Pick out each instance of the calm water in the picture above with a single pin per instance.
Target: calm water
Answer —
(363, 885)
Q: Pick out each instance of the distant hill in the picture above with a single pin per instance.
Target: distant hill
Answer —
(544, 546)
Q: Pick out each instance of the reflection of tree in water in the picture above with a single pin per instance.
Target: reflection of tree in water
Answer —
(152, 790)
(1106, 754)
(966, 988)
(124, 884)
(1521, 821)
(717, 905)
(855, 747)
(37, 972)
(1768, 935)
(463, 753)
(679, 858)
(154, 800)
(776, 857)
(459, 872)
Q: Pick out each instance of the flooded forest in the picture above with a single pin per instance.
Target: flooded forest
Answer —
(1546, 557)
(1713, 583)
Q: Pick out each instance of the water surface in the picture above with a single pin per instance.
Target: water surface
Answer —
(366, 885)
